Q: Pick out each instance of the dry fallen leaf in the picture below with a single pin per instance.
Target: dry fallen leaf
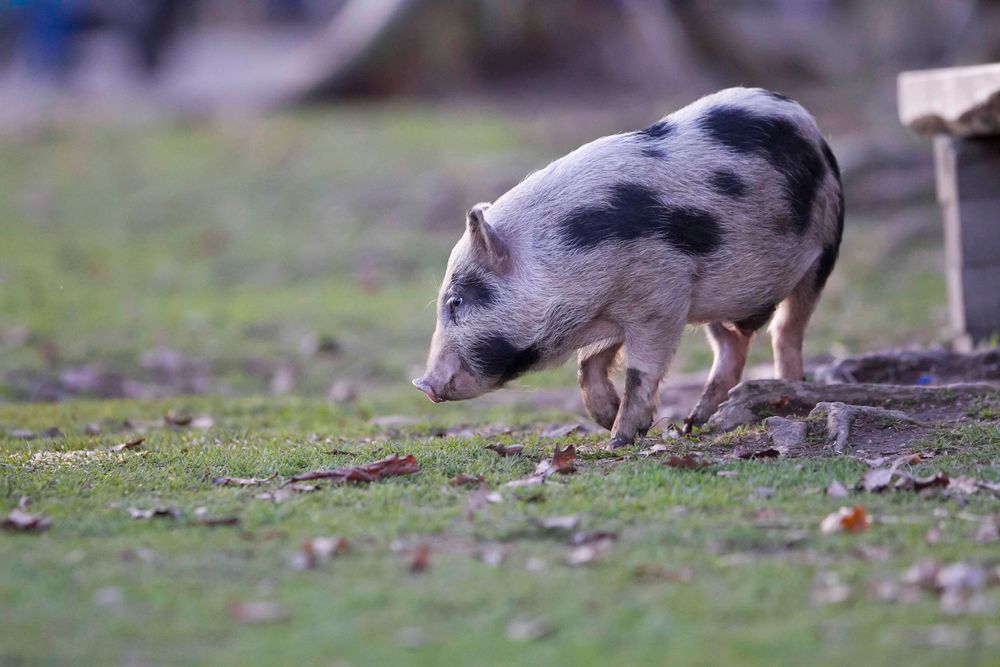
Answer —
(688, 462)
(319, 551)
(463, 479)
(276, 496)
(847, 519)
(19, 519)
(177, 419)
(242, 481)
(258, 612)
(202, 519)
(506, 450)
(129, 444)
(877, 480)
(391, 466)
(420, 559)
(561, 462)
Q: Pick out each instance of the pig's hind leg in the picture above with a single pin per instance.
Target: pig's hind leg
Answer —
(731, 346)
(599, 395)
(788, 327)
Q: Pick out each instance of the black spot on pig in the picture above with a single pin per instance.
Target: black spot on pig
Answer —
(633, 380)
(828, 258)
(496, 356)
(658, 130)
(728, 183)
(777, 140)
(654, 153)
(831, 161)
(776, 96)
(748, 325)
(634, 212)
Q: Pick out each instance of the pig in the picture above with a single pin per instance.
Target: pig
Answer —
(726, 213)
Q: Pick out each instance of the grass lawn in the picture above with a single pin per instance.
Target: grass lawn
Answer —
(704, 569)
(261, 261)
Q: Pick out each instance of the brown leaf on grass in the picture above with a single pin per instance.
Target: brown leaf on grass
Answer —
(154, 513)
(242, 481)
(920, 483)
(275, 496)
(688, 462)
(258, 612)
(654, 450)
(506, 450)
(302, 487)
(391, 466)
(463, 479)
(21, 520)
(846, 519)
(836, 490)
(173, 418)
(561, 462)
(129, 444)
(201, 518)
(877, 480)
(420, 559)
(319, 551)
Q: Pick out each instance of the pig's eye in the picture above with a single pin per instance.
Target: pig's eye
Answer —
(453, 303)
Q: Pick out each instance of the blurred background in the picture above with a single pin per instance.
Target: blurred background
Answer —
(259, 196)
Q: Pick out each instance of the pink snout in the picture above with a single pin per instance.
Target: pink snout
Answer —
(423, 385)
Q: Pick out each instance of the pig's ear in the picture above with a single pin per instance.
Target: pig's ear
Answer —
(487, 245)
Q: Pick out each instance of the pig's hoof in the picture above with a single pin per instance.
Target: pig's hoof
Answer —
(617, 443)
(690, 423)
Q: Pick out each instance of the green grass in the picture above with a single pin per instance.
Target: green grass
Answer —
(747, 600)
(242, 245)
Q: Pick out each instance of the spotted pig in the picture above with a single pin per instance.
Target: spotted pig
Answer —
(727, 213)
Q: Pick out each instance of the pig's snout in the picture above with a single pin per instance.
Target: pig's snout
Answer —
(447, 379)
(425, 386)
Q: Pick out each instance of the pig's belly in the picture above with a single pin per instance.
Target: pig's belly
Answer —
(734, 289)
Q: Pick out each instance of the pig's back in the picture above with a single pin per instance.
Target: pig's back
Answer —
(738, 191)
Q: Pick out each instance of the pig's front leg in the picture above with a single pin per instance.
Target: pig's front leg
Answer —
(647, 351)
(599, 395)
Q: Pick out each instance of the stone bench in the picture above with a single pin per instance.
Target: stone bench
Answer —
(960, 108)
